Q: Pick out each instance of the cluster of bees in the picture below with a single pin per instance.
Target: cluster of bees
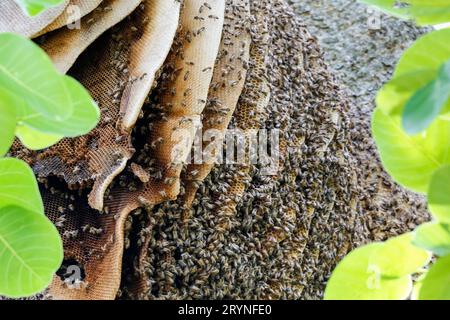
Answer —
(143, 227)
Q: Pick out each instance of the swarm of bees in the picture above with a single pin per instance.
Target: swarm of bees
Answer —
(145, 227)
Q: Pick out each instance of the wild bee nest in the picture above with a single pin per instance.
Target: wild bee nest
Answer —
(142, 216)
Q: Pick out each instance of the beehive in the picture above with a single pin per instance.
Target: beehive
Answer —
(204, 231)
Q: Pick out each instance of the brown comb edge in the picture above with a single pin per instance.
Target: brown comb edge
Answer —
(69, 17)
(226, 87)
(305, 252)
(109, 260)
(96, 253)
(13, 19)
(66, 45)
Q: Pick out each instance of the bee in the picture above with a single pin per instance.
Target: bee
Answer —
(70, 234)
(60, 221)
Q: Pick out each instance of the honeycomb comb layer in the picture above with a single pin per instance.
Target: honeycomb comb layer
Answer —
(64, 46)
(13, 19)
(230, 73)
(75, 10)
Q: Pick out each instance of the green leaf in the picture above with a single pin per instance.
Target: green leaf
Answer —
(425, 12)
(34, 7)
(388, 6)
(429, 12)
(419, 88)
(393, 96)
(398, 257)
(7, 122)
(418, 57)
(427, 103)
(49, 106)
(18, 186)
(36, 140)
(355, 279)
(411, 160)
(436, 285)
(30, 252)
(84, 118)
(439, 195)
(434, 237)
(27, 72)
